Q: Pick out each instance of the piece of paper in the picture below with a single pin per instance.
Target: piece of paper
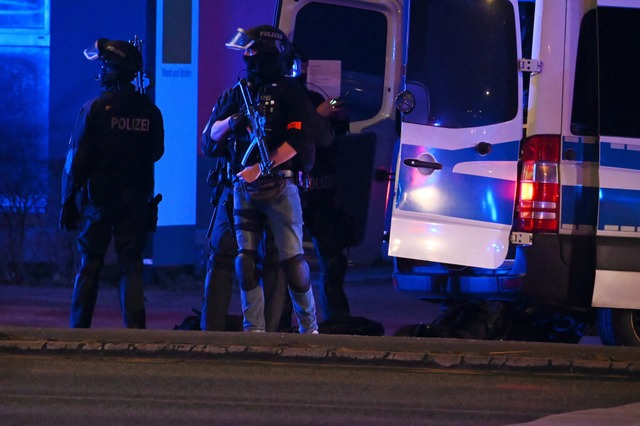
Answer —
(324, 76)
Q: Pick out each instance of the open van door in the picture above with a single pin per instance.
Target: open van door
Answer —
(352, 47)
(457, 167)
(617, 283)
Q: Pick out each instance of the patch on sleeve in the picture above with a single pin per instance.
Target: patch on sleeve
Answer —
(295, 125)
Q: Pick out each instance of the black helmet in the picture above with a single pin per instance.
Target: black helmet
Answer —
(267, 50)
(121, 60)
(262, 39)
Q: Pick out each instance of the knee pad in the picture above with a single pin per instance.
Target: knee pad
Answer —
(246, 270)
(296, 270)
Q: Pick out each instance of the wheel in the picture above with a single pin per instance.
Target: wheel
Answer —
(619, 327)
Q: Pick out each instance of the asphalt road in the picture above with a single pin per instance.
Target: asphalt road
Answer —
(73, 389)
(47, 368)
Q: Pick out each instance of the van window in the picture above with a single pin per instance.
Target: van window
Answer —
(618, 59)
(357, 38)
(462, 62)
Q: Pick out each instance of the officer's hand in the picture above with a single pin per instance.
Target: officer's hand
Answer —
(250, 174)
(69, 216)
(238, 122)
(333, 110)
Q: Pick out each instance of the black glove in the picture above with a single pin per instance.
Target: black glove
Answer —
(238, 122)
(69, 216)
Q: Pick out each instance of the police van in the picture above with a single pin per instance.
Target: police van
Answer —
(514, 170)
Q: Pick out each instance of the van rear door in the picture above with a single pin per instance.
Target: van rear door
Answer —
(457, 166)
(618, 230)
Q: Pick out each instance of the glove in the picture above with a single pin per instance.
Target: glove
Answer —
(238, 122)
(69, 216)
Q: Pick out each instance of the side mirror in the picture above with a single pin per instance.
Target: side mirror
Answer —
(405, 102)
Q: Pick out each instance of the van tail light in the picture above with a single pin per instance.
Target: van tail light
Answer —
(539, 194)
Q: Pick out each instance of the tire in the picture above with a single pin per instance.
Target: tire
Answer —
(619, 327)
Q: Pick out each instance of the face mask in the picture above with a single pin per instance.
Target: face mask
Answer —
(263, 68)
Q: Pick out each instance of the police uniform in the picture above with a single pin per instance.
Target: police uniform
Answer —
(268, 195)
(109, 174)
(285, 220)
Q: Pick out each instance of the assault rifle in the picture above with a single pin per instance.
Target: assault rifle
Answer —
(217, 179)
(257, 133)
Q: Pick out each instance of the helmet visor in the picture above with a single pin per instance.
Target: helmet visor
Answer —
(95, 50)
(92, 53)
(240, 41)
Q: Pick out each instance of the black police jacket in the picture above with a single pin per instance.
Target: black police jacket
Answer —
(292, 120)
(117, 138)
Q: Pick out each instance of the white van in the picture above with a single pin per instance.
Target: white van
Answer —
(519, 237)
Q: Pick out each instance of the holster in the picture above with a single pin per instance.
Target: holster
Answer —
(152, 213)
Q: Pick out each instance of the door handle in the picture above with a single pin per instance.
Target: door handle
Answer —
(414, 162)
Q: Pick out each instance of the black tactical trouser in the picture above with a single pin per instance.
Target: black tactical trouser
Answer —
(127, 223)
(331, 233)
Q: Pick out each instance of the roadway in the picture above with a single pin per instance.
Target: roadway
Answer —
(46, 368)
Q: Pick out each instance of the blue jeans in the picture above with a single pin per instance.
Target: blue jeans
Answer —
(221, 272)
(283, 214)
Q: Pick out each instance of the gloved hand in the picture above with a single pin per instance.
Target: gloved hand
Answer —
(238, 122)
(69, 216)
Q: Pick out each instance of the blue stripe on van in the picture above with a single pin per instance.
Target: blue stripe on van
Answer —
(619, 207)
(456, 194)
(583, 151)
(579, 205)
(620, 156)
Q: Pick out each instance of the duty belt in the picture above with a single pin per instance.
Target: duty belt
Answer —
(283, 173)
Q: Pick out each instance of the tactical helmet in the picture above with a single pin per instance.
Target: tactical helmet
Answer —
(262, 39)
(267, 50)
(121, 60)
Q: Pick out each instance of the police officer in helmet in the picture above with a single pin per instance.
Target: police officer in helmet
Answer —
(270, 196)
(107, 181)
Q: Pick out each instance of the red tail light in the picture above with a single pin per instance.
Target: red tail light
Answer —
(538, 203)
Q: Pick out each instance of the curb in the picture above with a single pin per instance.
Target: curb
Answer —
(407, 352)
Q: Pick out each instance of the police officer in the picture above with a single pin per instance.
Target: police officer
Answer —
(264, 189)
(330, 227)
(108, 180)
(223, 248)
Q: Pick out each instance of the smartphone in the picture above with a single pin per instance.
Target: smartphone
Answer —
(339, 99)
